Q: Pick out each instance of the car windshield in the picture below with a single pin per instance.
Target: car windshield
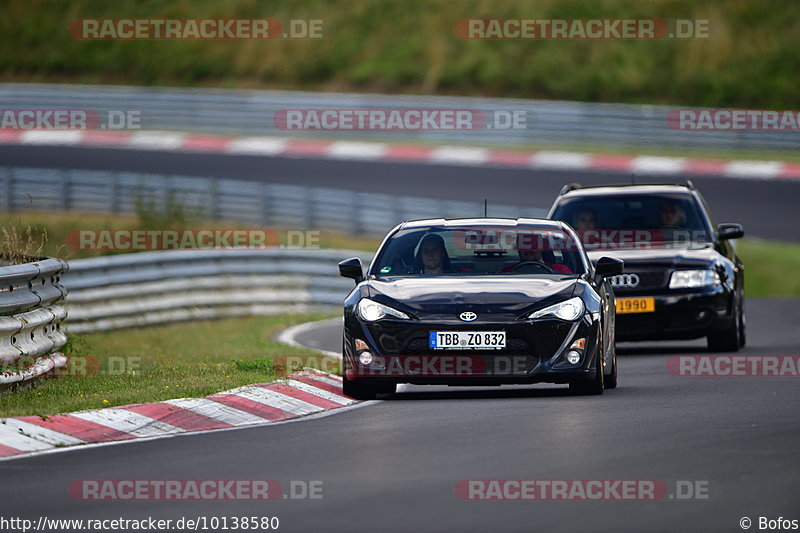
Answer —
(479, 250)
(624, 221)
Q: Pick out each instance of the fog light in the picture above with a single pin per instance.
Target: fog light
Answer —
(365, 358)
(573, 357)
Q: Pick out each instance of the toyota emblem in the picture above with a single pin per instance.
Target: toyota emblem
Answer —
(467, 316)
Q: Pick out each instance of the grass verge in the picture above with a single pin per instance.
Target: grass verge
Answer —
(748, 60)
(770, 268)
(52, 230)
(160, 363)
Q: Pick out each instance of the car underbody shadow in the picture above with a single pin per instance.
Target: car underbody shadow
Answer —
(464, 393)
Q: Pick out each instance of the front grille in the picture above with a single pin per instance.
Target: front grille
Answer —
(650, 279)
(647, 279)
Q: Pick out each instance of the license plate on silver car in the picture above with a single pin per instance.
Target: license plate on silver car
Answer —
(467, 340)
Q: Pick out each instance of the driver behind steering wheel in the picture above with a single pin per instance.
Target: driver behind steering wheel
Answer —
(527, 255)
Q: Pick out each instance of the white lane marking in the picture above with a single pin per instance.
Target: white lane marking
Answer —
(217, 411)
(322, 393)
(257, 145)
(313, 416)
(156, 140)
(658, 165)
(546, 159)
(275, 399)
(128, 422)
(12, 438)
(357, 150)
(43, 434)
(753, 169)
(459, 155)
(52, 136)
(289, 335)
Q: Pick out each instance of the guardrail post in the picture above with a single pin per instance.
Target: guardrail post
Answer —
(213, 200)
(308, 207)
(66, 178)
(266, 204)
(114, 192)
(6, 202)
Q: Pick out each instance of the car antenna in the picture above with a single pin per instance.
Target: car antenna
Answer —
(485, 207)
(633, 178)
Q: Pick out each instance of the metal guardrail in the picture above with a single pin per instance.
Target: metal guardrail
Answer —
(31, 320)
(247, 202)
(239, 111)
(152, 288)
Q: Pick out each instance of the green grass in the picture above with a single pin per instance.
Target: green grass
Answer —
(154, 364)
(57, 226)
(410, 46)
(771, 268)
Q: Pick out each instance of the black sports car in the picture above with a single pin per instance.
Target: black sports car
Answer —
(479, 302)
(683, 279)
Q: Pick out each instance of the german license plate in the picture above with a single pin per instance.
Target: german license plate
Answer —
(467, 340)
(636, 305)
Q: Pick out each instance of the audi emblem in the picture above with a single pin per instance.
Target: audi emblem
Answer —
(467, 316)
(624, 281)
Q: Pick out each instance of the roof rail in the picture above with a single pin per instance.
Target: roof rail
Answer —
(690, 185)
(569, 187)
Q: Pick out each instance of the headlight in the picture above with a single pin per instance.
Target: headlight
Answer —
(688, 279)
(570, 309)
(372, 311)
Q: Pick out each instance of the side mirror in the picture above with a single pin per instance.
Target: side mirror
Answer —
(730, 231)
(609, 266)
(351, 268)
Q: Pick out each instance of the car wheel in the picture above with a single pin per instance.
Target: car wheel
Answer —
(611, 379)
(590, 386)
(366, 391)
(359, 391)
(729, 339)
(742, 323)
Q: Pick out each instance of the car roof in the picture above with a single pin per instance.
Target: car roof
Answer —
(575, 189)
(466, 222)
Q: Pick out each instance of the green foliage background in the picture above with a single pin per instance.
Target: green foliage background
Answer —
(751, 60)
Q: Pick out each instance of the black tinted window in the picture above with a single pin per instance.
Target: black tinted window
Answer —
(620, 220)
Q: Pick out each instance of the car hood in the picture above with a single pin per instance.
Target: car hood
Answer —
(699, 255)
(495, 295)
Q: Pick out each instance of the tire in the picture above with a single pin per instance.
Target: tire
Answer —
(358, 391)
(742, 323)
(731, 338)
(611, 381)
(590, 387)
(366, 391)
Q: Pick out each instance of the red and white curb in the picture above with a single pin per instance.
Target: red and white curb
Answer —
(303, 393)
(374, 151)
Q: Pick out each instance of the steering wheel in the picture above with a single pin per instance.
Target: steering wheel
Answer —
(537, 264)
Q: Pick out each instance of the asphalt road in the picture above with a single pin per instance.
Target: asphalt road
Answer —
(767, 208)
(393, 465)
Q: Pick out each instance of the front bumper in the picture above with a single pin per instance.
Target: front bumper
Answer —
(679, 314)
(534, 352)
